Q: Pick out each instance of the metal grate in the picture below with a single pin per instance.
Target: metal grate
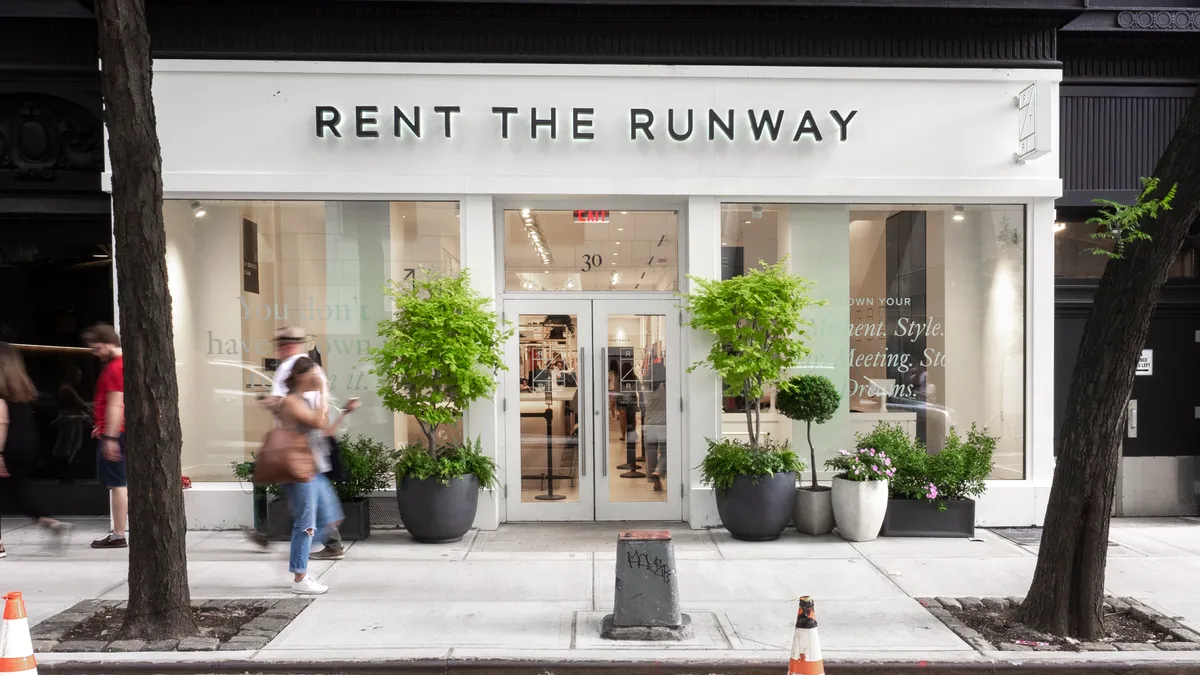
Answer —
(1025, 536)
(385, 514)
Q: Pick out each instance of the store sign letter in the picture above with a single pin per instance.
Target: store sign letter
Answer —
(674, 125)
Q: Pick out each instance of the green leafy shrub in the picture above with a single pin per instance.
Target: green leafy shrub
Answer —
(759, 334)
(367, 466)
(243, 471)
(441, 349)
(812, 399)
(727, 459)
(959, 471)
(450, 462)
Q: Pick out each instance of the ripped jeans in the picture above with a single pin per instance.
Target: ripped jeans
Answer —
(315, 508)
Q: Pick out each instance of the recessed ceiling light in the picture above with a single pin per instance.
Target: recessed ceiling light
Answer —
(624, 213)
(620, 229)
(747, 222)
(525, 212)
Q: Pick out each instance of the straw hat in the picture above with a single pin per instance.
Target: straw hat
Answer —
(290, 335)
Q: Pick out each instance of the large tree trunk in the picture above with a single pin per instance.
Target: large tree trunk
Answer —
(159, 599)
(1067, 592)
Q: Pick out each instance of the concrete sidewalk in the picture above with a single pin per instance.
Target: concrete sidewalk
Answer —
(538, 593)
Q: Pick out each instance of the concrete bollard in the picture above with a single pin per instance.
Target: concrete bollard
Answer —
(647, 596)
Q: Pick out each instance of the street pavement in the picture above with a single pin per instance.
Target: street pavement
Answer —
(538, 592)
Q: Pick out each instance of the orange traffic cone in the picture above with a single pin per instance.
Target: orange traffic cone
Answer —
(16, 648)
(806, 647)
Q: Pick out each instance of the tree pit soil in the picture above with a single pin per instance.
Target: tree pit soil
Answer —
(222, 623)
(1000, 627)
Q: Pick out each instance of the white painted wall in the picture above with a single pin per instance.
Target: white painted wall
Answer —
(248, 128)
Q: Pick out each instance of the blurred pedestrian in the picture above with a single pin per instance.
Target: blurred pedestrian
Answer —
(18, 444)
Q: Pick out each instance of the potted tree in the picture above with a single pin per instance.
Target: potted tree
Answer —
(932, 495)
(759, 334)
(812, 399)
(441, 349)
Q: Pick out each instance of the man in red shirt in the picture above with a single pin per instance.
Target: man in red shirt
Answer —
(109, 413)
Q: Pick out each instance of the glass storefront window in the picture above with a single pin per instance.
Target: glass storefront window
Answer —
(925, 321)
(548, 250)
(238, 270)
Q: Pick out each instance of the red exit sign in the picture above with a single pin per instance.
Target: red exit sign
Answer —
(591, 216)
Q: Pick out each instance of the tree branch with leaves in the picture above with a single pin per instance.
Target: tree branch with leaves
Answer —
(441, 349)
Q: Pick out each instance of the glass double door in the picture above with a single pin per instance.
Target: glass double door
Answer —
(592, 405)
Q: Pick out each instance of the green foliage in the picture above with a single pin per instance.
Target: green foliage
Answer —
(959, 471)
(440, 351)
(759, 333)
(243, 471)
(1122, 223)
(367, 466)
(863, 464)
(729, 458)
(892, 440)
(812, 399)
(451, 461)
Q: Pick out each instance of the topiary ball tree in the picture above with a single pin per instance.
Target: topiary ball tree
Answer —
(812, 399)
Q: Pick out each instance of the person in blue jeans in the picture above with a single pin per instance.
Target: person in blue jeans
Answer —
(314, 505)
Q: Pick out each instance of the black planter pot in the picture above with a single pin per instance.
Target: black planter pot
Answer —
(757, 511)
(435, 513)
(919, 518)
(357, 525)
(273, 517)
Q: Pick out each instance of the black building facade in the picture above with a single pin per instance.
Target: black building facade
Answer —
(1127, 76)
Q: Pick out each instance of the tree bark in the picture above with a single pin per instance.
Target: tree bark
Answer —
(812, 453)
(751, 430)
(159, 599)
(1067, 592)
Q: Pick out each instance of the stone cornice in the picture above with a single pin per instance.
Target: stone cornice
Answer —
(1179, 20)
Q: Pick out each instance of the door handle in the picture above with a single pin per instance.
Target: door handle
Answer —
(581, 388)
(1131, 419)
(603, 452)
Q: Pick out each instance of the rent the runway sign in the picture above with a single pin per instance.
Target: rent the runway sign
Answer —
(669, 126)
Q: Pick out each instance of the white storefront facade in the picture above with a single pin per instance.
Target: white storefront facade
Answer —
(582, 198)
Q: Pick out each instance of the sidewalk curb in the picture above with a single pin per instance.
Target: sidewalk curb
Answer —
(549, 667)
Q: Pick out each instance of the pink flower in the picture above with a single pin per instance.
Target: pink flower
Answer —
(844, 452)
(875, 468)
(887, 461)
(933, 492)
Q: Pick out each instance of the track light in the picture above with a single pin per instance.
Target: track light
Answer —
(959, 214)
(198, 210)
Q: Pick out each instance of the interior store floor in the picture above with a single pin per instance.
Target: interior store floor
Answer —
(620, 489)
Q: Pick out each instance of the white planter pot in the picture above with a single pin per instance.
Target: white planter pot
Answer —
(859, 508)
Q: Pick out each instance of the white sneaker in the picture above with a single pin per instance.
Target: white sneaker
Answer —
(307, 586)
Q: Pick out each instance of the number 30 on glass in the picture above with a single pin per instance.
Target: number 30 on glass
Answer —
(591, 262)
